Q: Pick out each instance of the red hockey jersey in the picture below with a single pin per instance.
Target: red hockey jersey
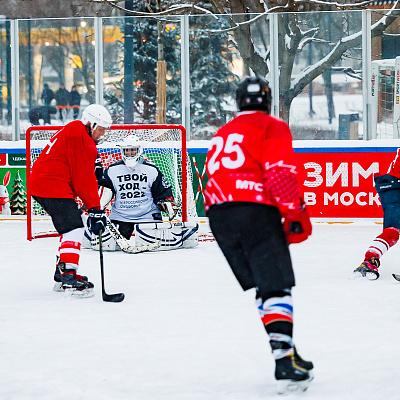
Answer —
(394, 167)
(65, 167)
(251, 159)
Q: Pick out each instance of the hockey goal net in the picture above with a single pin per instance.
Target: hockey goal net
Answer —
(164, 145)
(385, 94)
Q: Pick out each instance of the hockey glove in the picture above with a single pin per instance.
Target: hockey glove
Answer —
(168, 206)
(97, 221)
(297, 227)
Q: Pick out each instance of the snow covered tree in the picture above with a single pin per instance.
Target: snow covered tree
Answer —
(250, 33)
(18, 197)
(210, 61)
(212, 81)
(145, 57)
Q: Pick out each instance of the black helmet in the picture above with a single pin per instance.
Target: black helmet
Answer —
(253, 93)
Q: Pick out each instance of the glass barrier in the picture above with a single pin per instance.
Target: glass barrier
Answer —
(139, 52)
(56, 70)
(319, 86)
(316, 59)
(5, 80)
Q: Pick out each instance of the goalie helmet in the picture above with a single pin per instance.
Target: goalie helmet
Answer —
(131, 150)
(97, 115)
(253, 93)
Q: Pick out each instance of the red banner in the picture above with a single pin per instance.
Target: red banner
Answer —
(339, 184)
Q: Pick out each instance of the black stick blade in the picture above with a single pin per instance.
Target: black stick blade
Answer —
(113, 298)
(396, 276)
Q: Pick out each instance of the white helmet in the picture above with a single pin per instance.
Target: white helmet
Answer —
(97, 115)
(131, 150)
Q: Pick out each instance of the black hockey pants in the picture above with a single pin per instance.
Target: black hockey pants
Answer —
(253, 241)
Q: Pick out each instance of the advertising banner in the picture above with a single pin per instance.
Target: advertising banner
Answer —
(338, 183)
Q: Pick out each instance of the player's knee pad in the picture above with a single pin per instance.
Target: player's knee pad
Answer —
(268, 295)
(75, 235)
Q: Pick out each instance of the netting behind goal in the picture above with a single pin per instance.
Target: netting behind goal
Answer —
(164, 145)
(385, 94)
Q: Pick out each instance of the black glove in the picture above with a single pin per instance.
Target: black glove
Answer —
(97, 221)
(297, 227)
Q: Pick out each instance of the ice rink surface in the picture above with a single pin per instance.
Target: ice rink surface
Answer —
(186, 331)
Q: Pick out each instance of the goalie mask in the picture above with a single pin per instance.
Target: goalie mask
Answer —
(253, 93)
(131, 151)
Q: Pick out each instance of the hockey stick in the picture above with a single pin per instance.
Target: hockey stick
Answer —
(123, 243)
(200, 178)
(113, 298)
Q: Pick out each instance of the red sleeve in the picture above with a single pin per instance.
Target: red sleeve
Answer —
(82, 157)
(281, 168)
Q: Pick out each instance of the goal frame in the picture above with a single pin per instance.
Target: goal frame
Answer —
(184, 166)
(376, 67)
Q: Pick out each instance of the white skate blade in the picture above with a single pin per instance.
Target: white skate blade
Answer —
(57, 287)
(82, 294)
(371, 276)
(289, 386)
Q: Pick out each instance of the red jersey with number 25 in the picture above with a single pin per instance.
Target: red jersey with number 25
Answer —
(251, 159)
(65, 167)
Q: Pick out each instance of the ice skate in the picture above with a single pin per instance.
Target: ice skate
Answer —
(368, 269)
(57, 279)
(291, 376)
(75, 284)
(308, 365)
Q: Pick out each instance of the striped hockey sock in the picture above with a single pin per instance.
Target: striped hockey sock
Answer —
(70, 248)
(382, 243)
(277, 316)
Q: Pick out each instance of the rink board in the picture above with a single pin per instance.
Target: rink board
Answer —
(337, 178)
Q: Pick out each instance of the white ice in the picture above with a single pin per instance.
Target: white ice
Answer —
(186, 331)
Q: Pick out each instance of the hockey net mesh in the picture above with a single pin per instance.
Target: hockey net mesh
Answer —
(385, 102)
(162, 146)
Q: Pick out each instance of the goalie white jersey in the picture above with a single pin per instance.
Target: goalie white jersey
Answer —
(136, 191)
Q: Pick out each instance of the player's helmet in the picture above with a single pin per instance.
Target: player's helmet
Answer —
(131, 150)
(253, 93)
(97, 115)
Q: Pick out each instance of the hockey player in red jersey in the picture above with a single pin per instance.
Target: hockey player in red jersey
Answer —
(388, 188)
(65, 170)
(253, 185)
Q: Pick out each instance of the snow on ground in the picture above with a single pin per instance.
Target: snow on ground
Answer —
(186, 331)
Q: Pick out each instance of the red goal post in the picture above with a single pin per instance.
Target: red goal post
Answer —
(165, 145)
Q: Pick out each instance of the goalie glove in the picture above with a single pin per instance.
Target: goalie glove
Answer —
(168, 206)
(297, 227)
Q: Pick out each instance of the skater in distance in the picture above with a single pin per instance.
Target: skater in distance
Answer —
(64, 170)
(388, 188)
(253, 185)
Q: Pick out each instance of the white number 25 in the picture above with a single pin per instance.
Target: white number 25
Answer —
(231, 146)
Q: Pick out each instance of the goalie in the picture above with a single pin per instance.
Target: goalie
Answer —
(141, 193)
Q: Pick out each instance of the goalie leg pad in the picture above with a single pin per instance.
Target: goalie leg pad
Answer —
(108, 242)
(190, 234)
(91, 241)
(170, 235)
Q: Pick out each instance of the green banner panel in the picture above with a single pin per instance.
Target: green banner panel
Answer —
(17, 159)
